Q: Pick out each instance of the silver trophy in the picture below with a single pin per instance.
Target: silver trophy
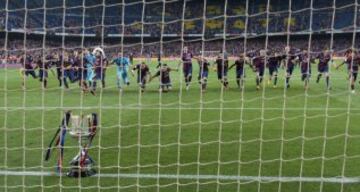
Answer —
(83, 129)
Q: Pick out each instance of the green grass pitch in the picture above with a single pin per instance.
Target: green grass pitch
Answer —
(270, 132)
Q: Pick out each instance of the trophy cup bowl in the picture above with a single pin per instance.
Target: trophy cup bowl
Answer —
(77, 127)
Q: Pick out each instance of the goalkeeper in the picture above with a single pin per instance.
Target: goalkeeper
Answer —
(89, 64)
(122, 65)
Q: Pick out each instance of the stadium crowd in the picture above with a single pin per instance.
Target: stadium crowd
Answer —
(77, 18)
(172, 48)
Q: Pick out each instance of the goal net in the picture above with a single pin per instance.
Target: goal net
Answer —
(180, 95)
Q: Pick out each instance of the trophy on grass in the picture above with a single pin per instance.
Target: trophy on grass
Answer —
(83, 129)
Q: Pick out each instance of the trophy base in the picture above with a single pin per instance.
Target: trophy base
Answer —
(76, 172)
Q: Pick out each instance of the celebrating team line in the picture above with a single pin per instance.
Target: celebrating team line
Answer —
(89, 67)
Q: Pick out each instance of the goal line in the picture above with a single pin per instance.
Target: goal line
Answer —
(197, 177)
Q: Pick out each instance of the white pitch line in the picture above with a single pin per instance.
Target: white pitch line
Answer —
(196, 177)
(176, 108)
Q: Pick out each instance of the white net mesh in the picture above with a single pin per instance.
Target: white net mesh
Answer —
(191, 95)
